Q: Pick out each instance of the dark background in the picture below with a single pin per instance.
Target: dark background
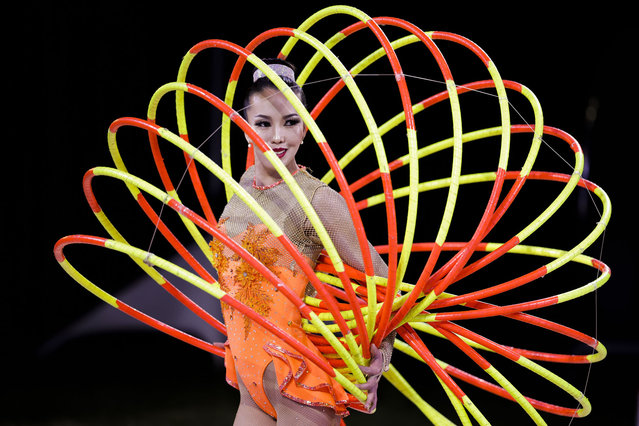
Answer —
(74, 68)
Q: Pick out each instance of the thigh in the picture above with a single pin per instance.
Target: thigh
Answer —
(248, 412)
(290, 412)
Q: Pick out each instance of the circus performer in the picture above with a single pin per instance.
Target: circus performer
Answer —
(275, 381)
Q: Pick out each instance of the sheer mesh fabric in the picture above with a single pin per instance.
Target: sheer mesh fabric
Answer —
(285, 210)
(333, 212)
(290, 412)
(248, 412)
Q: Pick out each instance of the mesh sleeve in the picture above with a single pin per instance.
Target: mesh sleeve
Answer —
(333, 212)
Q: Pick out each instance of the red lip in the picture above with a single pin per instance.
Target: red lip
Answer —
(280, 152)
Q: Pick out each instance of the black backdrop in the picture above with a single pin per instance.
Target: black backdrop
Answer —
(72, 69)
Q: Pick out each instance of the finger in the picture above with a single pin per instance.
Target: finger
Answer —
(377, 356)
(368, 386)
(371, 383)
(370, 371)
(371, 402)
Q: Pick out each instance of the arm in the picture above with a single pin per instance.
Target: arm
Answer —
(333, 212)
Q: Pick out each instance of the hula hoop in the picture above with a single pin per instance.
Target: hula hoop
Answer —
(354, 309)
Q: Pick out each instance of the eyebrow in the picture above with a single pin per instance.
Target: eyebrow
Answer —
(292, 115)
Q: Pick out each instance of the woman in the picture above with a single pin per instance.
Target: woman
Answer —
(274, 380)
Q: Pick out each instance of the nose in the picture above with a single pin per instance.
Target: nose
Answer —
(277, 135)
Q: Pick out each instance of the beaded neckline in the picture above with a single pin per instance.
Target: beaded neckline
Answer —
(274, 184)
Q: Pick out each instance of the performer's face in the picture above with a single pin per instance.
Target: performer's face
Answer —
(277, 122)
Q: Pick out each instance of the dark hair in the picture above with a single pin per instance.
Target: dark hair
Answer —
(265, 83)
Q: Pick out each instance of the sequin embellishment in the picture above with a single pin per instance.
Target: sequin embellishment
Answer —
(250, 285)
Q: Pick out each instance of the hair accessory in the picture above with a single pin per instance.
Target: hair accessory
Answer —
(281, 70)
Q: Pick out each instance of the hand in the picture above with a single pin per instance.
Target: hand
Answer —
(374, 372)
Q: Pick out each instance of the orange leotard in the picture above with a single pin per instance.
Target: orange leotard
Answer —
(250, 348)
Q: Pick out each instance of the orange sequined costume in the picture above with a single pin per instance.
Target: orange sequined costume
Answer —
(250, 348)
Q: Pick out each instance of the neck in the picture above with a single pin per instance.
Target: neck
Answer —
(264, 177)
